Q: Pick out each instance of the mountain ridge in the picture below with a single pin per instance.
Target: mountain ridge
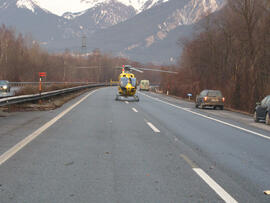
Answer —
(79, 6)
(163, 22)
(115, 27)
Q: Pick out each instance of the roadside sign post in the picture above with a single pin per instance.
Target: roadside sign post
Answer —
(168, 87)
(40, 85)
(41, 74)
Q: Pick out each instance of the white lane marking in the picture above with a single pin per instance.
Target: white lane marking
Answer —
(212, 184)
(210, 118)
(11, 152)
(216, 187)
(153, 127)
(126, 102)
(135, 110)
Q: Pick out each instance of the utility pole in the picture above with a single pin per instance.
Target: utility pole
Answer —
(64, 71)
(84, 47)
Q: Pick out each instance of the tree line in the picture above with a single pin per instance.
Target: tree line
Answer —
(231, 52)
(21, 59)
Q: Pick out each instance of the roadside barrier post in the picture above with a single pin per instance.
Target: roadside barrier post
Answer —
(40, 89)
(40, 85)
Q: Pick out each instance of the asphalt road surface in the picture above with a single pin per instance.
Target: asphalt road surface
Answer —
(96, 149)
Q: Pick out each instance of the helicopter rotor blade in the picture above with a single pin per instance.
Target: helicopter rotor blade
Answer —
(141, 70)
(87, 67)
(158, 70)
(136, 69)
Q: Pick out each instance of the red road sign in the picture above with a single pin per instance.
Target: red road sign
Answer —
(42, 74)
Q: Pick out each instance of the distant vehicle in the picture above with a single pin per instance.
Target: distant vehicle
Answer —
(4, 86)
(144, 85)
(262, 110)
(210, 98)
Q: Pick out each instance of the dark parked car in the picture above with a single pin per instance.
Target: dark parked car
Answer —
(4, 86)
(262, 110)
(210, 98)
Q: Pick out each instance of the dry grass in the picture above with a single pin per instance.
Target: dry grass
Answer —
(45, 104)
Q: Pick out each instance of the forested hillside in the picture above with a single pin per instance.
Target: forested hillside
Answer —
(21, 59)
(232, 53)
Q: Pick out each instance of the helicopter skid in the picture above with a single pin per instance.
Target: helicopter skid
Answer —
(134, 98)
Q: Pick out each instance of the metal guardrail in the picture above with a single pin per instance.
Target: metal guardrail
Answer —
(35, 97)
(20, 84)
(113, 82)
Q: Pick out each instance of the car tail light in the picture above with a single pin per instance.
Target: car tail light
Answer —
(205, 98)
(223, 99)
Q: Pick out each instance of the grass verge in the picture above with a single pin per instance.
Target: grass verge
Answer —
(44, 104)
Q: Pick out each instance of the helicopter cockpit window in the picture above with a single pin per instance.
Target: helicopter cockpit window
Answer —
(123, 81)
(133, 82)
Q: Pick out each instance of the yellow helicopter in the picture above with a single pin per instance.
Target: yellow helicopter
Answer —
(128, 84)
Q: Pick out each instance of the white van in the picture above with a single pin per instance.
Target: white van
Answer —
(144, 85)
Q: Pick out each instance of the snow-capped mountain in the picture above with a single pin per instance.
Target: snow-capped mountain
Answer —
(157, 30)
(26, 16)
(144, 30)
(28, 4)
(99, 17)
(151, 3)
(61, 7)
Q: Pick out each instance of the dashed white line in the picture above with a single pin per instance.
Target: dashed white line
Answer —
(11, 152)
(216, 187)
(210, 118)
(153, 127)
(135, 110)
(209, 181)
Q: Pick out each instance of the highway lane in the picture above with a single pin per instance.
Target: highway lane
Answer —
(230, 116)
(109, 151)
(241, 155)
